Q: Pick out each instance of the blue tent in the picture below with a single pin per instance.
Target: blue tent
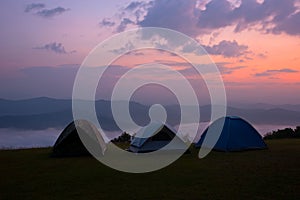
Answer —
(154, 137)
(236, 135)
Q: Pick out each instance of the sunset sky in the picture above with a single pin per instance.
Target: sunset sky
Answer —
(255, 43)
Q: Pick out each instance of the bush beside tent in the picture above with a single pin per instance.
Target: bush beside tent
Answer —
(283, 133)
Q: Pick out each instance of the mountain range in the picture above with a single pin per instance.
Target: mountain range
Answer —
(41, 113)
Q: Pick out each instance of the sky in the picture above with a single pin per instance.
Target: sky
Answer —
(254, 43)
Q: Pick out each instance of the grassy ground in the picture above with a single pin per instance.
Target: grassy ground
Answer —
(265, 174)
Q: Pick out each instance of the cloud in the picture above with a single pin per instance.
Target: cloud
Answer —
(212, 17)
(55, 47)
(289, 25)
(270, 16)
(134, 5)
(275, 71)
(262, 55)
(107, 22)
(136, 53)
(127, 48)
(138, 9)
(34, 6)
(224, 69)
(191, 18)
(227, 49)
(130, 14)
(124, 23)
(188, 70)
(177, 15)
(42, 12)
(48, 13)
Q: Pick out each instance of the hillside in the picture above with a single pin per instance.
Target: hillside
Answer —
(265, 174)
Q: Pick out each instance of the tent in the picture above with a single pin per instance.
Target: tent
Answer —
(70, 144)
(236, 135)
(154, 137)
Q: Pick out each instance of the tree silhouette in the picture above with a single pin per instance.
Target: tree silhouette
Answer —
(284, 133)
(125, 137)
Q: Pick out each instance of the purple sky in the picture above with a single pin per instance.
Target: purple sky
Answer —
(255, 44)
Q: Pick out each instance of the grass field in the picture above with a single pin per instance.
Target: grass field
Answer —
(264, 174)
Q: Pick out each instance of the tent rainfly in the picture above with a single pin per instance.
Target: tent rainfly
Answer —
(69, 143)
(237, 135)
(154, 137)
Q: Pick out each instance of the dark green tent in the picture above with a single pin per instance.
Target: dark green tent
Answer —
(69, 143)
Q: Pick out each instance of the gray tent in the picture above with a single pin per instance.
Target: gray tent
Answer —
(154, 137)
(70, 144)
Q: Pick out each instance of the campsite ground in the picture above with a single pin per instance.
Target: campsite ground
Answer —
(264, 174)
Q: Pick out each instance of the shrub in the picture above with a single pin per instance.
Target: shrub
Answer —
(125, 137)
(283, 133)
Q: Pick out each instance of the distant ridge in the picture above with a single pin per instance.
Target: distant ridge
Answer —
(44, 112)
